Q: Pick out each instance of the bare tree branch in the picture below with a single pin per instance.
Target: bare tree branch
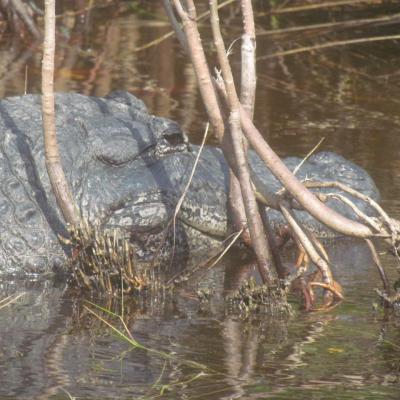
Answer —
(306, 198)
(53, 162)
(257, 234)
(248, 65)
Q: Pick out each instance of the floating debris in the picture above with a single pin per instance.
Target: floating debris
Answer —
(254, 298)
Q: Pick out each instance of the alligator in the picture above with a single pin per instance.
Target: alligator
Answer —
(127, 170)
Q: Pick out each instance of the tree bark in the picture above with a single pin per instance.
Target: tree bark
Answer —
(54, 168)
(257, 234)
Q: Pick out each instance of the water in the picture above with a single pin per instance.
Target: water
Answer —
(51, 346)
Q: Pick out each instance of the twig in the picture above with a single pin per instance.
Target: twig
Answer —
(395, 298)
(306, 198)
(171, 33)
(196, 161)
(9, 300)
(316, 184)
(185, 190)
(364, 217)
(309, 248)
(307, 156)
(379, 266)
(209, 263)
(231, 243)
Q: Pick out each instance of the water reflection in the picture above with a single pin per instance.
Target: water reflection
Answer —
(50, 340)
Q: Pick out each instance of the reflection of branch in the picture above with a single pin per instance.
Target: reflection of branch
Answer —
(171, 33)
(325, 4)
(240, 348)
(20, 9)
(328, 45)
(333, 25)
(83, 10)
(177, 28)
(12, 66)
(9, 300)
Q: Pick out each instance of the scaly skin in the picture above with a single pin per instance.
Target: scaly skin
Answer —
(127, 170)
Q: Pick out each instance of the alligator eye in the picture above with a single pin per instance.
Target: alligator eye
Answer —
(174, 139)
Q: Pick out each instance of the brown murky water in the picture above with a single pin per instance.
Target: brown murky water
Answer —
(49, 343)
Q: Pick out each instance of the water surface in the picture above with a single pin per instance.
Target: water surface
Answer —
(50, 345)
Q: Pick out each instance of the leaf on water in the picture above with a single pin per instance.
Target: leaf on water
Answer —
(335, 350)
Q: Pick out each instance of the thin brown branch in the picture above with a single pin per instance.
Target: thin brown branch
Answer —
(200, 65)
(205, 84)
(373, 223)
(54, 168)
(280, 268)
(247, 98)
(263, 193)
(257, 234)
(319, 261)
(316, 184)
(307, 199)
(248, 62)
(237, 212)
(330, 288)
(379, 266)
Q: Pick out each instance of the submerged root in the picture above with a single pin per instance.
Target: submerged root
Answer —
(311, 249)
(383, 227)
(103, 262)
